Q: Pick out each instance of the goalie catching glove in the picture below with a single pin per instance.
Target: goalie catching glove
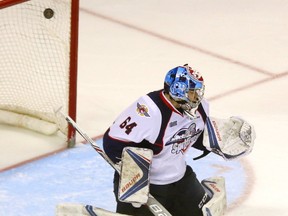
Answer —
(230, 138)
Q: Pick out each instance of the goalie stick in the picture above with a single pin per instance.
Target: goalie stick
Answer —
(153, 205)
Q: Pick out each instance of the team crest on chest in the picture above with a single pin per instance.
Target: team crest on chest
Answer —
(142, 110)
(183, 139)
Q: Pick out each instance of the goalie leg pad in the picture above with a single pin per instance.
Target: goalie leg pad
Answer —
(134, 176)
(215, 188)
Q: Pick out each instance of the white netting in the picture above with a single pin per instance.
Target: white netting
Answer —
(34, 58)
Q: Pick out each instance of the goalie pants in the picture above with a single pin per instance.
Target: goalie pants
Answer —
(182, 198)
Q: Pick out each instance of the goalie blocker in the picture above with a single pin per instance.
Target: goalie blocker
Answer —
(134, 175)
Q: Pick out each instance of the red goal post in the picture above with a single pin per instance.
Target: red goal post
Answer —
(38, 64)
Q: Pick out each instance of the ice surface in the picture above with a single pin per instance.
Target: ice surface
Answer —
(125, 49)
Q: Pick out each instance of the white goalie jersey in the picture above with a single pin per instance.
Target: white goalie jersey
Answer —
(152, 122)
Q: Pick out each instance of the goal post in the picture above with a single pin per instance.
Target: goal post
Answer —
(71, 134)
(38, 64)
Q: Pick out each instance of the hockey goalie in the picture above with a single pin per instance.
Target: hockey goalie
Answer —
(149, 141)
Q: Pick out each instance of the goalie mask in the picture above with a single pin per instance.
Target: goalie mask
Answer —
(186, 87)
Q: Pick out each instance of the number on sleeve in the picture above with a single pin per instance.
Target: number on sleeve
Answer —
(128, 127)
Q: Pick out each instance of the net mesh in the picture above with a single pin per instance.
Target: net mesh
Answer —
(34, 58)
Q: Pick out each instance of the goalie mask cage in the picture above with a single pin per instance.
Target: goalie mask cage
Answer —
(38, 63)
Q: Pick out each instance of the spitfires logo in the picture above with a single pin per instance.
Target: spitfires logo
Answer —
(142, 110)
(183, 139)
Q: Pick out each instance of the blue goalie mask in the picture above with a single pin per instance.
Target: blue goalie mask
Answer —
(185, 86)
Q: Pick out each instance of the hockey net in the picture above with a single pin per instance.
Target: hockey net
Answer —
(38, 63)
